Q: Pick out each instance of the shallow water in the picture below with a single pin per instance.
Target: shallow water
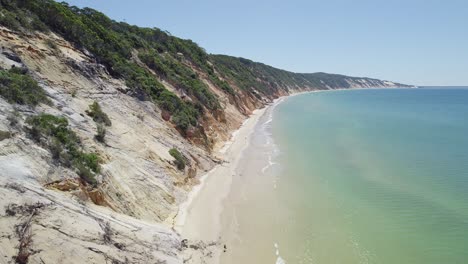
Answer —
(357, 176)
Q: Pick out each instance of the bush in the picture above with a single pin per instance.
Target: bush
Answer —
(179, 158)
(17, 19)
(55, 148)
(98, 115)
(18, 87)
(8, 20)
(101, 133)
(187, 115)
(180, 76)
(89, 160)
(64, 145)
(86, 174)
(49, 126)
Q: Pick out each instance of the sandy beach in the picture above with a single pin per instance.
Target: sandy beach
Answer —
(199, 218)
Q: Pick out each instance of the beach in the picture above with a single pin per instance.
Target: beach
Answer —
(199, 217)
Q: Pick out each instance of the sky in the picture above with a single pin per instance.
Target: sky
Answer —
(409, 41)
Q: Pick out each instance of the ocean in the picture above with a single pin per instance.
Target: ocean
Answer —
(354, 176)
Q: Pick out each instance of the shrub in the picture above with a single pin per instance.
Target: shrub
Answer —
(179, 158)
(98, 115)
(101, 133)
(90, 160)
(186, 116)
(17, 19)
(86, 174)
(181, 77)
(64, 145)
(18, 87)
(9, 20)
(50, 126)
(55, 148)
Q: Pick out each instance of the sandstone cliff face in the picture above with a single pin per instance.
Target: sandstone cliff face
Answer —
(138, 179)
(49, 216)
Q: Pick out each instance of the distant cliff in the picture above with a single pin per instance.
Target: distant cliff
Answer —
(260, 78)
(105, 127)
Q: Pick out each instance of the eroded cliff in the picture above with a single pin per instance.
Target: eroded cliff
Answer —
(50, 211)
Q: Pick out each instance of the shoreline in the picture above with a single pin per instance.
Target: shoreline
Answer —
(239, 139)
(199, 216)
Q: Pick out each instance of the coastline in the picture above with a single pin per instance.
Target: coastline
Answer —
(199, 218)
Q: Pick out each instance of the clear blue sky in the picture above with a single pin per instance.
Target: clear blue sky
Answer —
(422, 42)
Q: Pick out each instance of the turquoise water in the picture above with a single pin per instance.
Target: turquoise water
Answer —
(368, 176)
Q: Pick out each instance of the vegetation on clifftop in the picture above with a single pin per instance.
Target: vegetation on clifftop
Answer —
(257, 77)
(146, 57)
(113, 44)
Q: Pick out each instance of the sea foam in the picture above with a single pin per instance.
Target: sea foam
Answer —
(279, 260)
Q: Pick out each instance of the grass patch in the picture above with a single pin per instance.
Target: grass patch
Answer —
(64, 144)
